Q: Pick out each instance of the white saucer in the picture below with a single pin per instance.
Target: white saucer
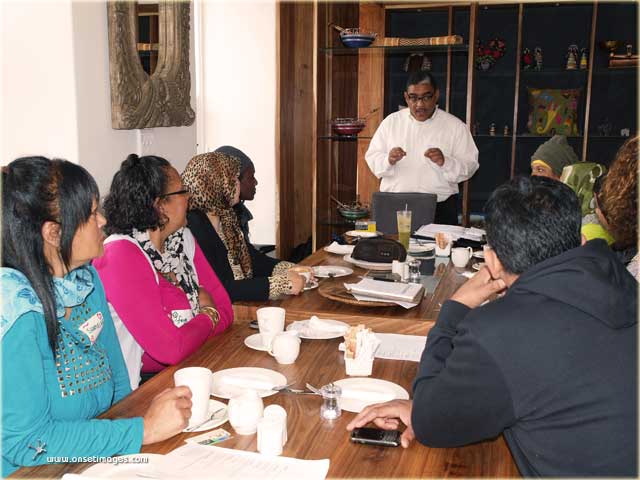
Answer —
(367, 265)
(216, 421)
(479, 254)
(308, 333)
(478, 266)
(255, 342)
(422, 249)
(326, 271)
(310, 286)
(234, 381)
(361, 233)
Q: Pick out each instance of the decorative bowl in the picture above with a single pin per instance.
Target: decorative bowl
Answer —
(348, 126)
(354, 38)
(353, 213)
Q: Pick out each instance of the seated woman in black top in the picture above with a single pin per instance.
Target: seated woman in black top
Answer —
(246, 273)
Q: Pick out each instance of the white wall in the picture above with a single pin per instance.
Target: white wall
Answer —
(57, 94)
(239, 94)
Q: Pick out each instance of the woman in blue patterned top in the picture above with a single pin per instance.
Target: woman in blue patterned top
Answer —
(61, 361)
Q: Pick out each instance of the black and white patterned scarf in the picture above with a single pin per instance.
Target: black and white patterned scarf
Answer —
(174, 260)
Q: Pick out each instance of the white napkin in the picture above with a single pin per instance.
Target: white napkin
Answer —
(335, 247)
(247, 382)
(367, 395)
(323, 326)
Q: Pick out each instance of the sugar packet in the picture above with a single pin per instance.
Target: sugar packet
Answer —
(211, 438)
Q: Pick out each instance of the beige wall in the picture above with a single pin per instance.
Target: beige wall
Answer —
(57, 95)
(237, 99)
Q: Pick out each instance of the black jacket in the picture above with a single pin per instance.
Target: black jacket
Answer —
(256, 288)
(552, 364)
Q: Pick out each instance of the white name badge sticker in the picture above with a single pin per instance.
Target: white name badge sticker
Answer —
(92, 327)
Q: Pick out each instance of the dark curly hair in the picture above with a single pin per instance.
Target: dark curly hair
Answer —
(618, 199)
(134, 189)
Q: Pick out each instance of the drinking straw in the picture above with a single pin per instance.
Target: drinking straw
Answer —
(406, 207)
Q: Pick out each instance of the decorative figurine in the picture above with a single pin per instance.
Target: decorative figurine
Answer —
(417, 61)
(629, 50)
(583, 59)
(492, 129)
(527, 59)
(476, 128)
(572, 57)
(605, 128)
(505, 130)
(488, 55)
(625, 132)
(537, 57)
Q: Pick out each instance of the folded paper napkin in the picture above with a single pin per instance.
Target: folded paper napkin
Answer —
(367, 395)
(247, 383)
(336, 248)
(323, 326)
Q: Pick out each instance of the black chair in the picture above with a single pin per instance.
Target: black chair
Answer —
(384, 206)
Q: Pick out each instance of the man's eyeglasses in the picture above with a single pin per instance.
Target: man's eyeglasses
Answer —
(177, 192)
(425, 98)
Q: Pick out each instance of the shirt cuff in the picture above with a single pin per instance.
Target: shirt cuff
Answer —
(451, 314)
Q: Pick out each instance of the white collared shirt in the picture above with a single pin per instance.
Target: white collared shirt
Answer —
(415, 172)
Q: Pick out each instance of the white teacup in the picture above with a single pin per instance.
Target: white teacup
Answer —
(270, 323)
(460, 256)
(198, 379)
(245, 411)
(446, 251)
(285, 347)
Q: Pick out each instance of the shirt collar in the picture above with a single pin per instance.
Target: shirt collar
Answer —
(425, 122)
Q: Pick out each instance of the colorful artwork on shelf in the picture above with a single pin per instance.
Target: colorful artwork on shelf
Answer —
(488, 55)
(553, 111)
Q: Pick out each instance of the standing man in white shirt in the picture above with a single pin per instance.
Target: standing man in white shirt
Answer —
(424, 149)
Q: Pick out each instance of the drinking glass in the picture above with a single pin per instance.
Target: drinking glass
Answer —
(404, 227)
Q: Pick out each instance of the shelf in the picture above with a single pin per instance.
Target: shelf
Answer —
(401, 49)
(554, 71)
(343, 138)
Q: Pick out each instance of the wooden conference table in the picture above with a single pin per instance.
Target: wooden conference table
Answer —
(319, 363)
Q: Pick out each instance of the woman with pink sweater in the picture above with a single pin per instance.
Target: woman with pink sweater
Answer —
(164, 297)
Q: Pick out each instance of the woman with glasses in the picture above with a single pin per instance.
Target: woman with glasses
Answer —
(61, 361)
(165, 298)
(213, 180)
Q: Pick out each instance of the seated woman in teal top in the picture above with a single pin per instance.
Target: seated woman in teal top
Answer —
(61, 361)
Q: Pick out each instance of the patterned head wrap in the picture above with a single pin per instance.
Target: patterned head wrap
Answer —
(211, 179)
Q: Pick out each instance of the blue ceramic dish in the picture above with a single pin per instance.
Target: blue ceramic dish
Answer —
(352, 38)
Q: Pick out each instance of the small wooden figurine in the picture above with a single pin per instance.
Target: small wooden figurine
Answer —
(572, 57)
(505, 130)
(583, 59)
(537, 56)
(527, 59)
(492, 129)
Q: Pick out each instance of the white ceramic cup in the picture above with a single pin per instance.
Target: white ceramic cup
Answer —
(198, 379)
(270, 323)
(276, 412)
(446, 251)
(285, 347)
(460, 256)
(270, 436)
(245, 411)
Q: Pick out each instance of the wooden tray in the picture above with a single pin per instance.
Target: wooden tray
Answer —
(337, 292)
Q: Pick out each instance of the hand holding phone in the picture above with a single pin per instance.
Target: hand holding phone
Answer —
(376, 436)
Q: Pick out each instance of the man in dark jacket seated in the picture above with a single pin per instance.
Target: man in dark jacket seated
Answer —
(552, 364)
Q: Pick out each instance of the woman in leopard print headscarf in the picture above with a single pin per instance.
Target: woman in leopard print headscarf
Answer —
(212, 180)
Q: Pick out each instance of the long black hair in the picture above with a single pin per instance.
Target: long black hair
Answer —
(36, 190)
(134, 190)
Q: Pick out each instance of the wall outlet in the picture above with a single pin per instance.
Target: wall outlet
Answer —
(146, 140)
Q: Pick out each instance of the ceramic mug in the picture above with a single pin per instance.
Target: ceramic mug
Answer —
(245, 411)
(285, 347)
(460, 256)
(270, 323)
(198, 379)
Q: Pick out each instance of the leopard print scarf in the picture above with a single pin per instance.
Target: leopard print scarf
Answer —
(211, 179)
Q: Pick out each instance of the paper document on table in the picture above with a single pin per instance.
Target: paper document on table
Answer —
(396, 291)
(394, 346)
(366, 298)
(194, 461)
(454, 231)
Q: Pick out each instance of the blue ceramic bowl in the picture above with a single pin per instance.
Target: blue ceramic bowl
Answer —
(357, 40)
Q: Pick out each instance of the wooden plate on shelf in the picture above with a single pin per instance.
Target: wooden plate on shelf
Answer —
(337, 292)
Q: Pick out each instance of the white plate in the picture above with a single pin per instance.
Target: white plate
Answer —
(216, 421)
(310, 286)
(255, 341)
(361, 234)
(154, 465)
(478, 266)
(263, 380)
(340, 249)
(379, 390)
(479, 254)
(306, 332)
(323, 271)
(424, 249)
(367, 265)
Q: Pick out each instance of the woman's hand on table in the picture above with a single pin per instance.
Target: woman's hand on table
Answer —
(387, 416)
(167, 415)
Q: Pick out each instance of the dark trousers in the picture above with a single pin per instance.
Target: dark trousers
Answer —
(447, 211)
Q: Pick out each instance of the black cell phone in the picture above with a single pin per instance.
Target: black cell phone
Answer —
(254, 324)
(376, 436)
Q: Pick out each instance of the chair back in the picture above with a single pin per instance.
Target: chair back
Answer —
(384, 206)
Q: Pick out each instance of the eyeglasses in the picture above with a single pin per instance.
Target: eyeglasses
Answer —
(177, 192)
(425, 98)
